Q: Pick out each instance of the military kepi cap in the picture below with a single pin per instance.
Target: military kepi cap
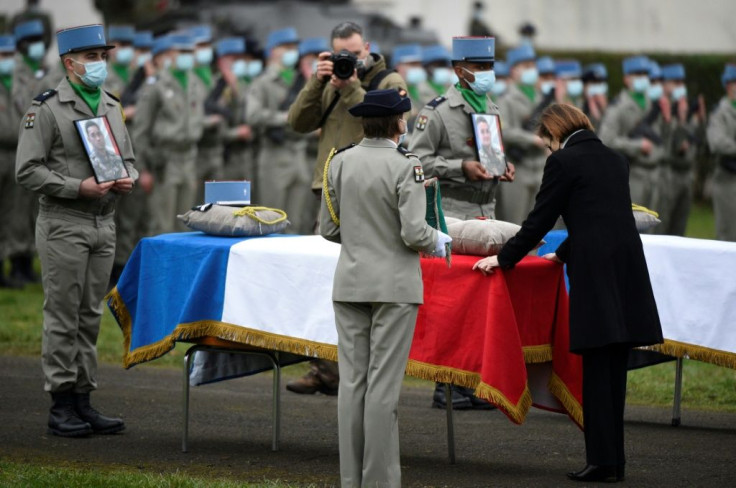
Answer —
(287, 35)
(230, 45)
(143, 40)
(406, 53)
(24, 30)
(436, 53)
(729, 74)
(7, 44)
(381, 103)
(636, 64)
(519, 54)
(546, 65)
(595, 72)
(474, 49)
(568, 68)
(121, 33)
(655, 72)
(673, 72)
(501, 69)
(81, 38)
(314, 45)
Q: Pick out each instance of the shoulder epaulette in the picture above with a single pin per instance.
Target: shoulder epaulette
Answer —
(113, 96)
(344, 148)
(404, 151)
(436, 101)
(45, 96)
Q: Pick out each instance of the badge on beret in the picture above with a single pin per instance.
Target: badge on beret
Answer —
(30, 121)
(418, 174)
(421, 122)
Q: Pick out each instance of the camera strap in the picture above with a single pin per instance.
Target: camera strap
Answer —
(330, 108)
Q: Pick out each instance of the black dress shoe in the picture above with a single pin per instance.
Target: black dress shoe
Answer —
(459, 402)
(475, 402)
(591, 472)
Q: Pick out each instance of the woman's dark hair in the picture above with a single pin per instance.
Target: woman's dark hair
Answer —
(560, 120)
(381, 127)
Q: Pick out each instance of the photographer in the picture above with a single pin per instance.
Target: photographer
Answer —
(323, 104)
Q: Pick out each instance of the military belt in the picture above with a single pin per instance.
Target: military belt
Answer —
(480, 197)
(76, 216)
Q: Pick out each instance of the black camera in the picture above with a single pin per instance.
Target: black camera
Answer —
(344, 64)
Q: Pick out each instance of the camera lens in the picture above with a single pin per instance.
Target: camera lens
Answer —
(344, 64)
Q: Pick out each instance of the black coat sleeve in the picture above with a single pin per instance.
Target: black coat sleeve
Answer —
(551, 200)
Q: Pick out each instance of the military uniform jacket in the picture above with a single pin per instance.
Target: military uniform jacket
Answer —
(51, 159)
(378, 196)
(443, 138)
(721, 130)
(516, 108)
(235, 100)
(168, 117)
(619, 120)
(263, 107)
(340, 128)
(13, 104)
(114, 83)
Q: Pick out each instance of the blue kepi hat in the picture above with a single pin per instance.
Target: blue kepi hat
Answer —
(519, 54)
(7, 44)
(121, 33)
(81, 38)
(474, 49)
(636, 64)
(729, 74)
(381, 103)
(314, 45)
(24, 30)
(673, 72)
(230, 45)
(278, 37)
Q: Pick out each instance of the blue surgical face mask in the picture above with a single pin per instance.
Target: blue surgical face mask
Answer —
(166, 63)
(546, 86)
(597, 89)
(7, 65)
(499, 87)
(415, 75)
(574, 88)
(640, 84)
(654, 92)
(203, 56)
(255, 68)
(679, 92)
(142, 59)
(483, 81)
(442, 76)
(455, 79)
(124, 55)
(529, 76)
(36, 50)
(239, 68)
(184, 61)
(95, 73)
(289, 58)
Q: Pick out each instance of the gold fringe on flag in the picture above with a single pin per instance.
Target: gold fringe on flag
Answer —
(559, 390)
(700, 353)
(537, 354)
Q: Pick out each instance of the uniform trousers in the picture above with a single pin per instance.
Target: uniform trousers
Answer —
(724, 203)
(676, 198)
(459, 209)
(604, 397)
(209, 167)
(516, 199)
(132, 222)
(175, 186)
(373, 348)
(8, 187)
(240, 164)
(644, 186)
(284, 180)
(76, 252)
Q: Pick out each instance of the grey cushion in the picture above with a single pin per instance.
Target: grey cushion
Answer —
(221, 220)
(645, 219)
(481, 237)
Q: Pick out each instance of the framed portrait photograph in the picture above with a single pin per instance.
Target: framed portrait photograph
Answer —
(489, 142)
(102, 149)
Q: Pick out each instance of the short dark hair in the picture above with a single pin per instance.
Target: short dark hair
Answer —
(560, 120)
(377, 127)
(345, 30)
(89, 125)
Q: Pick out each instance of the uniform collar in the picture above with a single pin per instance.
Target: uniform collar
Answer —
(456, 99)
(385, 143)
(67, 95)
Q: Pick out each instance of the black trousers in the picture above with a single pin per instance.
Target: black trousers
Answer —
(604, 397)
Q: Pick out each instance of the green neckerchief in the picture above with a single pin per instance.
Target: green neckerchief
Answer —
(640, 99)
(529, 91)
(440, 89)
(181, 77)
(7, 80)
(32, 63)
(733, 103)
(91, 96)
(478, 102)
(413, 92)
(287, 74)
(122, 71)
(205, 74)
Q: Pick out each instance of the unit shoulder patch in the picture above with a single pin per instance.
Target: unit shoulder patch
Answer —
(418, 174)
(30, 120)
(44, 96)
(421, 122)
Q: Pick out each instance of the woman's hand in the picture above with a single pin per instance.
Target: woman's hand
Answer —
(486, 265)
(553, 257)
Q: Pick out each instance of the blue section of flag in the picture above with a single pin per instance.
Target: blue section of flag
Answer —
(554, 238)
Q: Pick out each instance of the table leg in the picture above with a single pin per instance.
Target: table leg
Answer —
(678, 393)
(276, 402)
(450, 424)
(187, 365)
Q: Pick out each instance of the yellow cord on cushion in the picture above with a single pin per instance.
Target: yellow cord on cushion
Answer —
(634, 206)
(251, 212)
(325, 189)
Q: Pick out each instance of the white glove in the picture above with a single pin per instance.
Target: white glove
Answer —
(439, 247)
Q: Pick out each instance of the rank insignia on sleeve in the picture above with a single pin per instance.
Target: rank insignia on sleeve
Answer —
(30, 121)
(418, 174)
(421, 122)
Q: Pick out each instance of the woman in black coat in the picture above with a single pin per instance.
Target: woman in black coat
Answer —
(612, 307)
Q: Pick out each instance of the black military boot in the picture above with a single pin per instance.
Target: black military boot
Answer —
(459, 402)
(29, 275)
(16, 270)
(63, 418)
(100, 424)
(7, 281)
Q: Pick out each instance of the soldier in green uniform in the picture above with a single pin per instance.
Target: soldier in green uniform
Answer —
(631, 127)
(595, 86)
(33, 12)
(168, 124)
(75, 232)
(569, 75)
(722, 141)
(437, 63)
(283, 176)
(444, 141)
(518, 108)
(323, 105)
(378, 286)
(501, 85)
(407, 61)
(120, 36)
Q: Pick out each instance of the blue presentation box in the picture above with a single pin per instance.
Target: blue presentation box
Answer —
(227, 192)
